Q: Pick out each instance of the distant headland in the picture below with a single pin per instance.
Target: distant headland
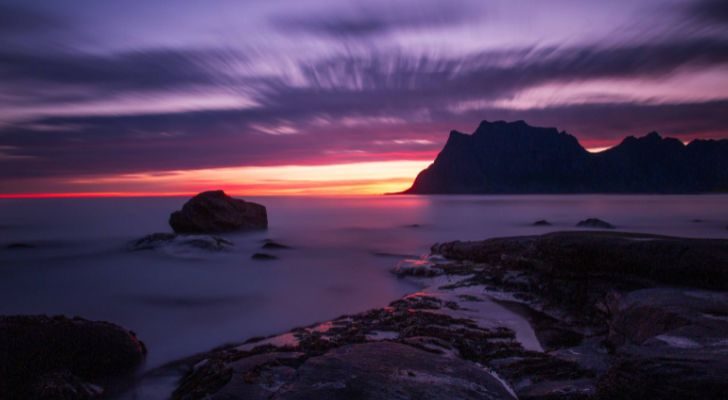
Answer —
(514, 157)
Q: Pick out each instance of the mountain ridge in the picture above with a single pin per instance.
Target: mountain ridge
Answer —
(516, 158)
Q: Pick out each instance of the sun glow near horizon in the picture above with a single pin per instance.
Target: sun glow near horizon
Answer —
(364, 178)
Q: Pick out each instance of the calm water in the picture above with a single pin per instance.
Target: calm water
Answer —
(182, 303)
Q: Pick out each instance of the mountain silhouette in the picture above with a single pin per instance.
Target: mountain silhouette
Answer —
(514, 157)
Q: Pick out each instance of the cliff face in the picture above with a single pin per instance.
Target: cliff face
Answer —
(503, 157)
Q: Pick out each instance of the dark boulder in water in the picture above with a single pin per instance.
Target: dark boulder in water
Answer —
(594, 223)
(60, 357)
(215, 212)
(263, 256)
(273, 245)
(159, 240)
(541, 222)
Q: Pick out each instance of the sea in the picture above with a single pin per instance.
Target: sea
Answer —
(182, 301)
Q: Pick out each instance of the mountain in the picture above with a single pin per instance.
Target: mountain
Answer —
(514, 157)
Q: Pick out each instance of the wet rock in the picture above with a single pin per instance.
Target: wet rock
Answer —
(541, 222)
(413, 226)
(619, 260)
(665, 377)
(670, 318)
(64, 385)
(595, 223)
(263, 256)
(385, 370)
(161, 240)
(216, 212)
(273, 245)
(649, 300)
(59, 357)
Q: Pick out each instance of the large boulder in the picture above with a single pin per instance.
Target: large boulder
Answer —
(60, 357)
(215, 212)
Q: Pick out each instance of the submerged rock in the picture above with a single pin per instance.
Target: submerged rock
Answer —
(59, 357)
(216, 212)
(263, 256)
(594, 223)
(161, 240)
(273, 245)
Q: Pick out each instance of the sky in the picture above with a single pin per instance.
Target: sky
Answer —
(320, 97)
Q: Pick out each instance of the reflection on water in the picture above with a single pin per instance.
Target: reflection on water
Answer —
(342, 250)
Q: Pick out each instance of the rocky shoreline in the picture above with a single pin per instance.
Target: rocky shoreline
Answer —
(571, 315)
(565, 315)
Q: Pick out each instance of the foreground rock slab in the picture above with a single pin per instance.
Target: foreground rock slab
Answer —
(45, 357)
(216, 212)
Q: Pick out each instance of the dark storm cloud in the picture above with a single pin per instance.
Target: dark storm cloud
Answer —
(15, 20)
(365, 21)
(145, 70)
(715, 11)
(390, 82)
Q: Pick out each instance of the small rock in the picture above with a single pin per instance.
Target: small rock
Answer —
(273, 245)
(263, 256)
(413, 226)
(541, 222)
(595, 223)
(216, 212)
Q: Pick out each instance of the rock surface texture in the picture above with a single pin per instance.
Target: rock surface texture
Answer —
(216, 212)
(45, 357)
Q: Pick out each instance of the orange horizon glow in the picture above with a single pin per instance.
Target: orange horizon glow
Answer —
(347, 179)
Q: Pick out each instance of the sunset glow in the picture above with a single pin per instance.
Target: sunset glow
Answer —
(335, 179)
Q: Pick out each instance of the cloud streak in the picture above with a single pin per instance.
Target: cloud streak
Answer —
(366, 21)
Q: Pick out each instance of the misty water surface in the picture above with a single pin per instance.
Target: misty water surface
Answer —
(181, 303)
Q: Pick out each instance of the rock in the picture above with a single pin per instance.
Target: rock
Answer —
(670, 318)
(385, 370)
(19, 246)
(263, 256)
(595, 223)
(160, 240)
(541, 222)
(64, 385)
(273, 245)
(658, 304)
(216, 212)
(60, 357)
